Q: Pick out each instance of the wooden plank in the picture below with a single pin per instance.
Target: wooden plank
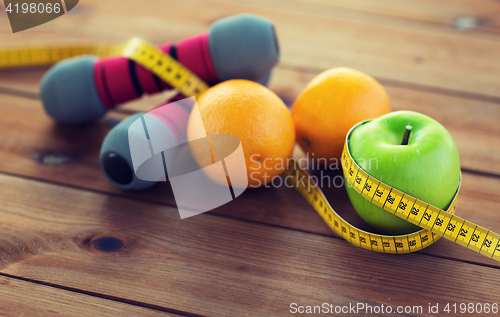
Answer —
(22, 81)
(432, 56)
(22, 298)
(35, 147)
(209, 264)
(446, 13)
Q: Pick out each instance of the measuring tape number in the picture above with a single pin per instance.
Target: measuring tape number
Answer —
(435, 222)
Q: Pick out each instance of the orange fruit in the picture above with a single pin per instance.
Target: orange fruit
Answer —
(255, 115)
(331, 104)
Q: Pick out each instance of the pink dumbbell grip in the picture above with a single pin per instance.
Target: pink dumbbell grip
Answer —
(175, 114)
(114, 77)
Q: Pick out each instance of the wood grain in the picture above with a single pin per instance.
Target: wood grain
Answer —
(72, 244)
(22, 298)
(208, 264)
(430, 56)
(38, 148)
(417, 14)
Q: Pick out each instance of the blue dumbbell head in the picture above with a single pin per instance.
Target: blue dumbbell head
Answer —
(69, 93)
(117, 157)
(243, 47)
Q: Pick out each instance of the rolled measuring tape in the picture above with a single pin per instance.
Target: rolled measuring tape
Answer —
(435, 222)
(147, 55)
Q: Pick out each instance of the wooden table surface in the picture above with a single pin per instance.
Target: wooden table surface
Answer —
(267, 249)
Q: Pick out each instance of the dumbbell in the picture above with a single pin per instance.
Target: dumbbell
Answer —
(81, 89)
(165, 127)
(115, 155)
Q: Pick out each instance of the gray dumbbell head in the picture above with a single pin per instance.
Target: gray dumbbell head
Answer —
(69, 93)
(243, 47)
(117, 160)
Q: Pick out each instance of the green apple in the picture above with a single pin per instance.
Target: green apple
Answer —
(427, 167)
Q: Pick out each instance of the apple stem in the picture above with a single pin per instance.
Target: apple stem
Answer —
(406, 136)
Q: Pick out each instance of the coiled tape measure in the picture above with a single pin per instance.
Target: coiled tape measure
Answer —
(147, 55)
(435, 222)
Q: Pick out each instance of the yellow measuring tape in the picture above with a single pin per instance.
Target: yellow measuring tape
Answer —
(435, 223)
(165, 67)
(47, 55)
(138, 50)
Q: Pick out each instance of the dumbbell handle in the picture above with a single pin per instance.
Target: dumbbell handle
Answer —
(176, 117)
(117, 158)
(119, 79)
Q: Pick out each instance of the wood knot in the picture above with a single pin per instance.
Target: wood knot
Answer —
(107, 244)
(467, 23)
(243, 268)
(418, 60)
(54, 158)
